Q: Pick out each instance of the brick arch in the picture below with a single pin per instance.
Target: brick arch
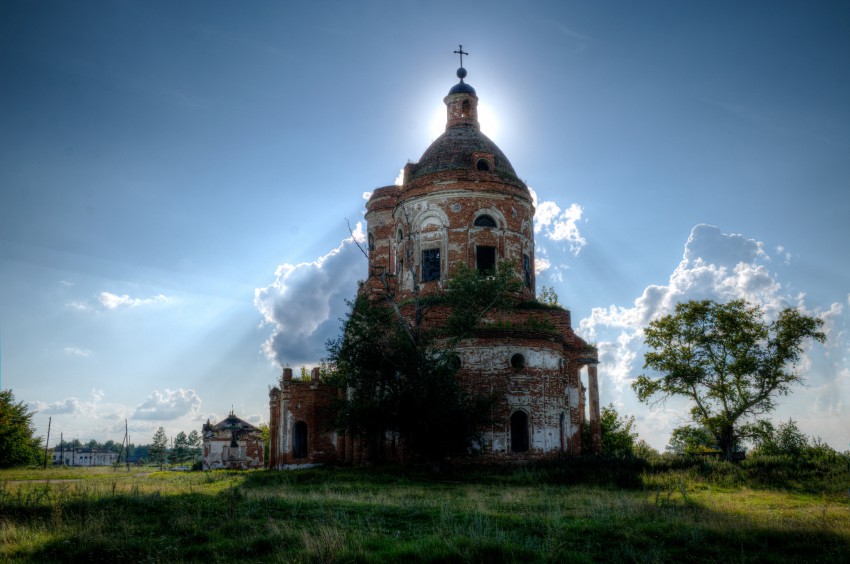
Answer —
(501, 222)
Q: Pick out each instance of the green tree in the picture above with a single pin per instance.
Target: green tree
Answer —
(193, 441)
(727, 360)
(691, 439)
(159, 448)
(787, 439)
(18, 445)
(180, 452)
(266, 433)
(548, 296)
(618, 434)
(400, 368)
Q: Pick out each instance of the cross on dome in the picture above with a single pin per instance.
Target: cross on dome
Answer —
(461, 72)
(461, 52)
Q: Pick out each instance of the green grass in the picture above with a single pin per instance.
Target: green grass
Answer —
(577, 511)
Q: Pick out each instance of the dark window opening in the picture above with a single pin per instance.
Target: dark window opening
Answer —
(464, 108)
(518, 361)
(483, 164)
(519, 431)
(526, 267)
(563, 428)
(430, 264)
(484, 221)
(299, 440)
(454, 362)
(485, 259)
(371, 242)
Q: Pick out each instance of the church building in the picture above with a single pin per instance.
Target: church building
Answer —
(462, 202)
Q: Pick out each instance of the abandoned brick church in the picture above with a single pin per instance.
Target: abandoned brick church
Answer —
(462, 202)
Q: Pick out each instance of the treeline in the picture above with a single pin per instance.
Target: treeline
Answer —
(181, 448)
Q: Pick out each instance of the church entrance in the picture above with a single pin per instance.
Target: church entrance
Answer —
(299, 440)
(519, 431)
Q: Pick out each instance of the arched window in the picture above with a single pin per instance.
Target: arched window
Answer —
(519, 431)
(464, 108)
(483, 164)
(485, 221)
(430, 265)
(299, 440)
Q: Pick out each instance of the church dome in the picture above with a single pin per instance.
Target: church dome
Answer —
(454, 150)
(463, 147)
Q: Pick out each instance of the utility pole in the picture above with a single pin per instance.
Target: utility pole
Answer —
(47, 442)
(62, 448)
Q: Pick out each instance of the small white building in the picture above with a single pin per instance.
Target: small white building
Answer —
(69, 456)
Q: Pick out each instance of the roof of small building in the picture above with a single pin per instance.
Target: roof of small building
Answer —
(232, 423)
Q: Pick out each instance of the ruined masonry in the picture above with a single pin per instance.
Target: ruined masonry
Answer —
(232, 443)
(462, 202)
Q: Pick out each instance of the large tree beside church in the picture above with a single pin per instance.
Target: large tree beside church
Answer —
(729, 361)
(400, 369)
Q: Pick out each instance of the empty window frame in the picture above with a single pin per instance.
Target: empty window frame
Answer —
(485, 221)
(485, 259)
(526, 269)
(430, 265)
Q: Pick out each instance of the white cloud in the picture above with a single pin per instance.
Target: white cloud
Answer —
(168, 405)
(66, 406)
(305, 302)
(560, 226)
(113, 301)
(76, 351)
(71, 405)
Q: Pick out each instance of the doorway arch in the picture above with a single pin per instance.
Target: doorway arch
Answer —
(299, 440)
(519, 431)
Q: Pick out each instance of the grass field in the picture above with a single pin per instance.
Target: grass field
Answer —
(576, 511)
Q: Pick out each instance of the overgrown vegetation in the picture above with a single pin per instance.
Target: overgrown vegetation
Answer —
(400, 369)
(670, 508)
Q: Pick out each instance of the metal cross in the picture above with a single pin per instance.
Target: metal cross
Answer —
(461, 53)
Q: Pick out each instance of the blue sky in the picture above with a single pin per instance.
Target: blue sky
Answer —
(176, 178)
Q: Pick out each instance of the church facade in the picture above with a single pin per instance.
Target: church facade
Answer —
(462, 202)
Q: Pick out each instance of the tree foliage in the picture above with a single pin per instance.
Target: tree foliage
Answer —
(691, 439)
(618, 435)
(726, 359)
(18, 445)
(159, 448)
(786, 440)
(400, 369)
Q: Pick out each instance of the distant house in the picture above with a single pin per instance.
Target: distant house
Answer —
(70, 456)
(233, 444)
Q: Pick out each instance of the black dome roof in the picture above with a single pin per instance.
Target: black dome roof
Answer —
(462, 88)
(453, 151)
